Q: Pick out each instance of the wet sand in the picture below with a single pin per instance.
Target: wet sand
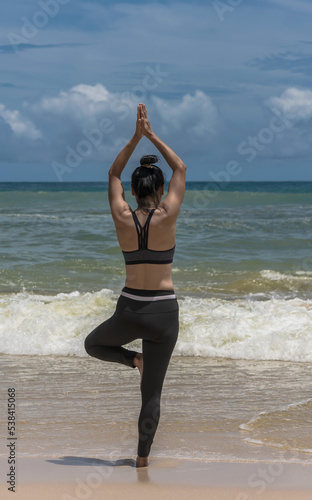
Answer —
(81, 478)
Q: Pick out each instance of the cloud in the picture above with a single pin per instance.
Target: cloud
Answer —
(81, 101)
(294, 106)
(142, 19)
(9, 49)
(94, 123)
(86, 105)
(195, 113)
(19, 125)
(294, 103)
(72, 116)
(295, 62)
(6, 85)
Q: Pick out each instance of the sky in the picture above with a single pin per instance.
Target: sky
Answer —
(227, 85)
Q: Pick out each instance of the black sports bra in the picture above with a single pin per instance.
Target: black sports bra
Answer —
(144, 255)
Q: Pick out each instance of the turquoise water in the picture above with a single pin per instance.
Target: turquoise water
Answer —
(61, 237)
(243, 252)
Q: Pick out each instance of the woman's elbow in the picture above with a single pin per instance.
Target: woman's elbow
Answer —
(183, 166)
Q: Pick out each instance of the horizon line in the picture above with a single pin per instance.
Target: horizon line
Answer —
(106, 182)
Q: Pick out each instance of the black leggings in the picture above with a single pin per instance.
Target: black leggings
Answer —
(156, 322)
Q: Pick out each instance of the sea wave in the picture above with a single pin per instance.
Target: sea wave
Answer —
(286, 428)
(265, 284)
(275, 329)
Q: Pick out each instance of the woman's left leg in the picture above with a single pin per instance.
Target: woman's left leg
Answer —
(105, 341)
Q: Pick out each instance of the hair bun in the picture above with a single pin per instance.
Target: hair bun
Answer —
(149, 159)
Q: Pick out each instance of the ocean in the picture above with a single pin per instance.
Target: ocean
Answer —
(238, 385)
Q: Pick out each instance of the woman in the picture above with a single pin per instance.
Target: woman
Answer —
(147, 307)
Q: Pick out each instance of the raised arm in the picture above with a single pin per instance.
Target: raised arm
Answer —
(116, 194)
(173, 201)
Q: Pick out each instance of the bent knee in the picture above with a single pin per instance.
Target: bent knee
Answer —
(88, 345)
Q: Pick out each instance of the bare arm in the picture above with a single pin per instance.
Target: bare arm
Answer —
(115, 189)
(173, 201)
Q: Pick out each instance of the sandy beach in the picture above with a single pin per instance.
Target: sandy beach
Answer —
(68, 478)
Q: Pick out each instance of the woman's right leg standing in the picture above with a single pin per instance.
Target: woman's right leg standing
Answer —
(156, 357)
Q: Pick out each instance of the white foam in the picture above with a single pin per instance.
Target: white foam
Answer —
(45, 325)
(273, 275)
(275, 329)
(269, 275)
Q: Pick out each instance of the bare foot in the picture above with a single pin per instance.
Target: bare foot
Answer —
(142, 462)
(138, 362)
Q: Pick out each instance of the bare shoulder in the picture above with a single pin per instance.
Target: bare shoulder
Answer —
(168, 210)
(171, 204)
(164, 214)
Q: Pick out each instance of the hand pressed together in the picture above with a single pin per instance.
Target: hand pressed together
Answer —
(143, 126)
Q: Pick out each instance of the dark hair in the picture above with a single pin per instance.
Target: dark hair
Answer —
(146, 181)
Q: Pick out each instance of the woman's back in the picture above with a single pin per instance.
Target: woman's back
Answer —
(160, 232)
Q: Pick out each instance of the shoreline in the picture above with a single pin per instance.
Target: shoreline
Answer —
(69, 478)
(212, 409)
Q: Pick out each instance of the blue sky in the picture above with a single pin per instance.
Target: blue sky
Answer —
(227, 85)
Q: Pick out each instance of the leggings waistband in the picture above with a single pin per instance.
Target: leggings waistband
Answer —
(147, 295)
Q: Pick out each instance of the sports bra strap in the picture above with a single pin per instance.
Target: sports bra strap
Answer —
(142, 231)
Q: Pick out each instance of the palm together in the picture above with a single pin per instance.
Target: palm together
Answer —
(143, 126)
